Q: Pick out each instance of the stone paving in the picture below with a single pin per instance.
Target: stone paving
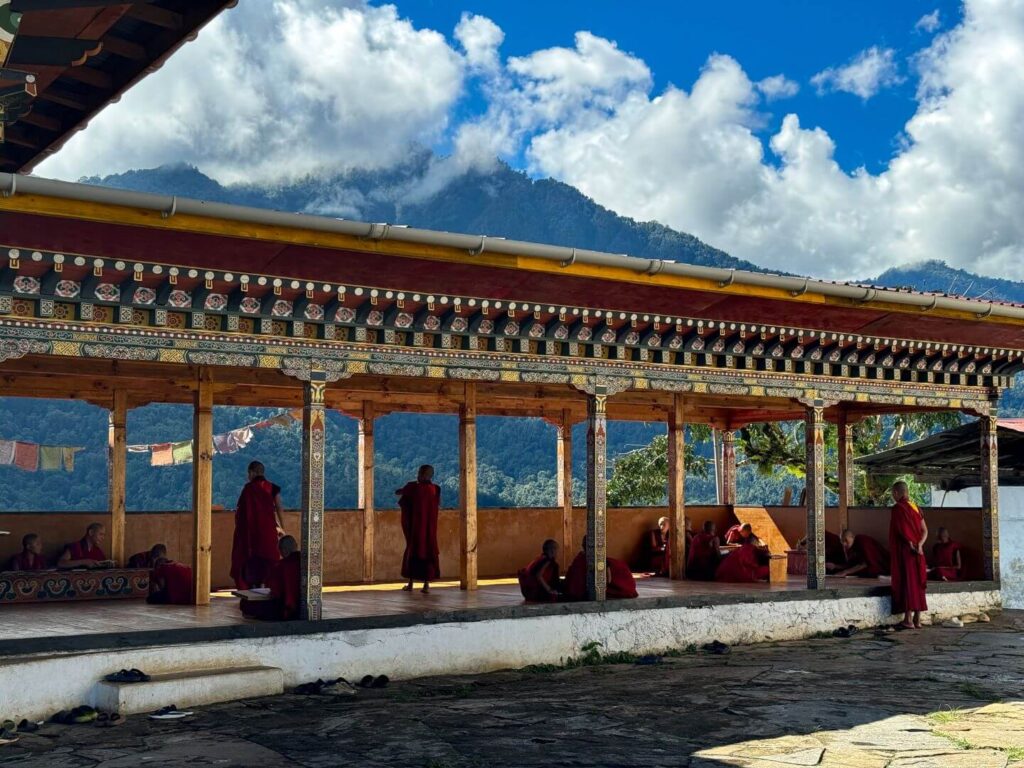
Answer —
(935, 698)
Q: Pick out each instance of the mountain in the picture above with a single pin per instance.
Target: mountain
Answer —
(938, 276)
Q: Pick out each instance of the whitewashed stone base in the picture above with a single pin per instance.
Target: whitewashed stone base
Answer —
(36, 687)
(188, 689)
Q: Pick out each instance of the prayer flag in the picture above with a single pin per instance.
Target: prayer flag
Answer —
(26, 456)
(50, 457)
(6, 452)
(162, 455)
(68, 456)
(182, 452)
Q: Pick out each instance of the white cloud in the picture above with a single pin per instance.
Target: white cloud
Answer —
(929, 22)
(778, 87)
(865, 75)
(480, 39)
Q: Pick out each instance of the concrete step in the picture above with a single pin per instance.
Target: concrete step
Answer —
(188, 689)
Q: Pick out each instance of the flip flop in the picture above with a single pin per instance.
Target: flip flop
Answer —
(170, 712)
(339, 687)
(83, 715)
(7, 737)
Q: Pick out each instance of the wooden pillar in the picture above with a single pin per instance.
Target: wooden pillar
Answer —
(990, 494)
(314, 433)
(815, 469)
(467, 489)
(202, 485)
(597, 503)
(677, 487)
(845, 470)
(366, 502)
(117, 464)
(728, 467)
(564, 480)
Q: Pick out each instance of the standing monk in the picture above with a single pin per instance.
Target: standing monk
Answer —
(907, 534)
(420, 502)
(257, 529)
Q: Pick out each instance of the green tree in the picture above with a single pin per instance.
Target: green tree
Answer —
(640, 476)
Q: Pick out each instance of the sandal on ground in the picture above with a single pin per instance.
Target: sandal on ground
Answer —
(339, 687)
(170, 712)
(83, 715)
(716, 647)
(8, 737)
(127, 676)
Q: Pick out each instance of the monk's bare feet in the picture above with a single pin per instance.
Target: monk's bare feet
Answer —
(426, 589)
(407, 587)
(905, 625)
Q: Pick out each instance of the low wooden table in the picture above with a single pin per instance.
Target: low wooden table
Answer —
(778, 569)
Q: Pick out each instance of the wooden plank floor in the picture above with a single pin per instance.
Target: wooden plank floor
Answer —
(98, 617)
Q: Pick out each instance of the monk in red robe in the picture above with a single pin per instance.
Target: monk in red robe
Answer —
(170, 583)
(31, 556)
(539, 581)
(704, 554)
(420, 502)
(741, 534)
(620, 585)
(257, 529)
(948, 564)
(746, 564)
(283, 581)
(907, 535)
(148, 559)
(659, 552)
(865, 557)
(87, 552)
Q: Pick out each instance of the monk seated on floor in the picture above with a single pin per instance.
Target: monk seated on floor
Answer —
(283, 581)
(865, 557)
(740, 534)
(86, 553)
(620, 585)
(947, 564)
(539, 581)
(659, 555)
(148, 559)
(31, 556)
(745, 564)
(704, 554)
(835, 555)
(170, 583)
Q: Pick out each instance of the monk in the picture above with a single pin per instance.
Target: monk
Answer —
(659, 553)
(835, 555)
(257, 529)
(87, 552)
(948, 564)
(170, 583)
(620, 584)
(539, 581)
(704, 554)
(31, 556)
(148, 559)
(907, 535)
(865, 557)
(744, 565)
(740, 534)
(420, 502)
(283, 580)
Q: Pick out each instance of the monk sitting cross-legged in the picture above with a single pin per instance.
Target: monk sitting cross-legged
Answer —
(620, 585)
(31, 556)
(420, 502)
(283, 580)
(740, 534)
(85, 553)
(948, 565)
(746, 564)
(257, 528)
(907, 535)
(704, 554)
(148, 559)
(170, 583)
(539, 580)
(865, 557)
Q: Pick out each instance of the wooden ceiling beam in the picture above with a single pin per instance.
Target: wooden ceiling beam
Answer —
(158, 17)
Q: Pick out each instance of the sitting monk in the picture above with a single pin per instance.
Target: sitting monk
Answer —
(835, 555)
(85, 553)
(620, 582)
(704, 554)
(741, 534)
(170, 583)
(148, 559)
(948, 565)
(31, 556)
(746, 564)
(539, 580)
(283, 581)
(865, 557)
(659, 555)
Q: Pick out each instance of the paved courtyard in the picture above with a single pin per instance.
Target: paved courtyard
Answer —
(938, 697)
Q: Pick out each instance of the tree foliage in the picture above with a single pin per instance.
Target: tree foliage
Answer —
(640, 476)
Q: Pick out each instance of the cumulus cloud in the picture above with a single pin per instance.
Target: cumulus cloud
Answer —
(480, 38)
(929, 22)
(778, 87)
(864, 75)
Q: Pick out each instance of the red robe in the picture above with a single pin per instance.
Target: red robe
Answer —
(420, 503)
(254, 545)
(659, 551)
(945, 560)
(703, 557)
(620, 585)
(80, 550)
(734, 535)
(529, 581)
(177, 579)
(141, 560)
(868, 551)
(834, 552)
(283, 580)
(909, 570)
(27, 561)
(742, 566)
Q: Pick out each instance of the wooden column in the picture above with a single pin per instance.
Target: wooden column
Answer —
(202, 485)
(728, 466)
(467, 489)
(677, 487)
(366, 502)
(815, 468)
(597, 503)
(990, 494)
(314, 433)
(563, 451)
(845, 470)
(117, 465)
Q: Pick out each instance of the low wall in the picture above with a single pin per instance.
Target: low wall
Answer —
(477, 642)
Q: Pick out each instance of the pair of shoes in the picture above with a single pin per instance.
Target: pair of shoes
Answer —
(170, 712)
(848, 631)
(81, 715)
(717, 648)
(369, 681)
(103, 720)
(127, 676)
(338, 687)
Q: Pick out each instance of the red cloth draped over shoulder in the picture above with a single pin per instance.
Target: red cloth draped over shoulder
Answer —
(909, 570)
(177, 579)
(28, 561)
(945, 560)
(703, 557)
(141, 560)
(80, 550)
(574, 585)
(734, 535)
(868, 551)
(255, 535)
(742, 566)
(621, 584)
(420, 503)
(284, 585)
(529, 579)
